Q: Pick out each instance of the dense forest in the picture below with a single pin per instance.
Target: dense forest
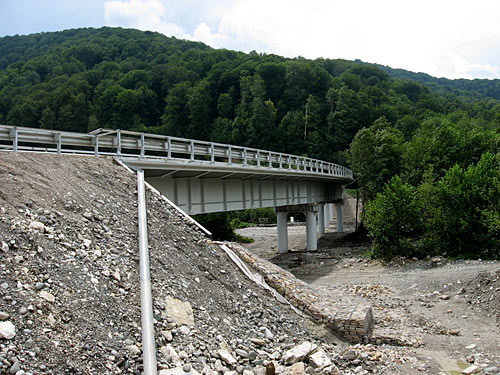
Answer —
(398, 130)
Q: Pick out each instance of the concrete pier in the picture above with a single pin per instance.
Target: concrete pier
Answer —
(282, 232)
(340, 216)
(312, 237)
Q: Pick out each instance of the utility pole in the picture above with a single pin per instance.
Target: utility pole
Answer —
(305, 125)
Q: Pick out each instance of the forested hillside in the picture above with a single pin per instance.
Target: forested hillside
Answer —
(88, 78)
(426, 156)
(475, 88)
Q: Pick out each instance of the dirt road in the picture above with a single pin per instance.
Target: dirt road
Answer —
(430, 298)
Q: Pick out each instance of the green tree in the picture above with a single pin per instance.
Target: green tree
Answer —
(375, 156)
(392, 219)
(463, 211)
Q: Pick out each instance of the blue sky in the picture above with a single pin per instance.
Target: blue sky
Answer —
(450, 38)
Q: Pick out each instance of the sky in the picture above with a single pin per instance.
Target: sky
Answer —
(444, 38)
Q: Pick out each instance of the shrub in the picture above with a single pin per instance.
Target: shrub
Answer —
(392, 218)
(464, 211)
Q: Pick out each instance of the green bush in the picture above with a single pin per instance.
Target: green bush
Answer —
(392, 219)
(463, 211)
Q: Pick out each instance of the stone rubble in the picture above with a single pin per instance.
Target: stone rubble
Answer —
(72, 293)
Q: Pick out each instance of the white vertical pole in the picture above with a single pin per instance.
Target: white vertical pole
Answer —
(282, 232)
(340, 217)
(321, 218)
(312, 238)
(148, 334)
(15, 139)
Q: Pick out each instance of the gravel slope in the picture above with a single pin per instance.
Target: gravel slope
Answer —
(69, 285)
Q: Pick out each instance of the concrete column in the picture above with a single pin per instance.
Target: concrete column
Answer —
(340, 217)
(327, 216)
(282, 232)
(321, 218)
(312, 237)
(331, 211)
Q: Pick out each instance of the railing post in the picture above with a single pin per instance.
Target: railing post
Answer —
(229, 155)
(96, 145)
(57, 137)
(280, 158)
(270, 160)
(212, 153)
(15, 136)
(118, 142)
(142, 145)
(169, 145)
(258, 158)
(245, 161)
(289, 162)
(191, 158)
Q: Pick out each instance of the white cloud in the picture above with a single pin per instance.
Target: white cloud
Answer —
(452, 38)
(204, 34)
(140, 14)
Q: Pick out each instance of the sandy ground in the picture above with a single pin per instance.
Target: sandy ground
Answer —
(424, 298)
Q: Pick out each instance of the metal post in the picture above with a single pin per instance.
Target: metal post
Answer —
(212, 153)
(148, 334)
(312, 237)
(321, 218)
(191, 145)
(96, 146)
(169, 143)
(270, 160)
(340, 217)
(118, 142)
(282, 232)
(245, 161)
(58, 140)
(230, 155)
(258, 158)
(142, 145)
(16, 139)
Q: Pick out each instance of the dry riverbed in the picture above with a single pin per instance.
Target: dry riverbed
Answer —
(454, 306)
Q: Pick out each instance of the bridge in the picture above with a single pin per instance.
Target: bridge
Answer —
(204, 177)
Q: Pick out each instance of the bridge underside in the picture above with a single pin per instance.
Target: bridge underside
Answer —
(217, 192)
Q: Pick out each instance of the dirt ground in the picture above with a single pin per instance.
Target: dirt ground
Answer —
(435, 298)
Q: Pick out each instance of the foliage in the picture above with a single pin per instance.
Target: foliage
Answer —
(375, 155)
(463, 211)
(82, 79)
(392, 218)
(396, 122)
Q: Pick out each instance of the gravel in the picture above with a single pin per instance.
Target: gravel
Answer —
(69, 285)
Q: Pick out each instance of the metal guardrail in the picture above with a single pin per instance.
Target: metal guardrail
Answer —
(123, 143)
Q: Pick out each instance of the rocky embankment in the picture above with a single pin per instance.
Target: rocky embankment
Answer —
(69, 286)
